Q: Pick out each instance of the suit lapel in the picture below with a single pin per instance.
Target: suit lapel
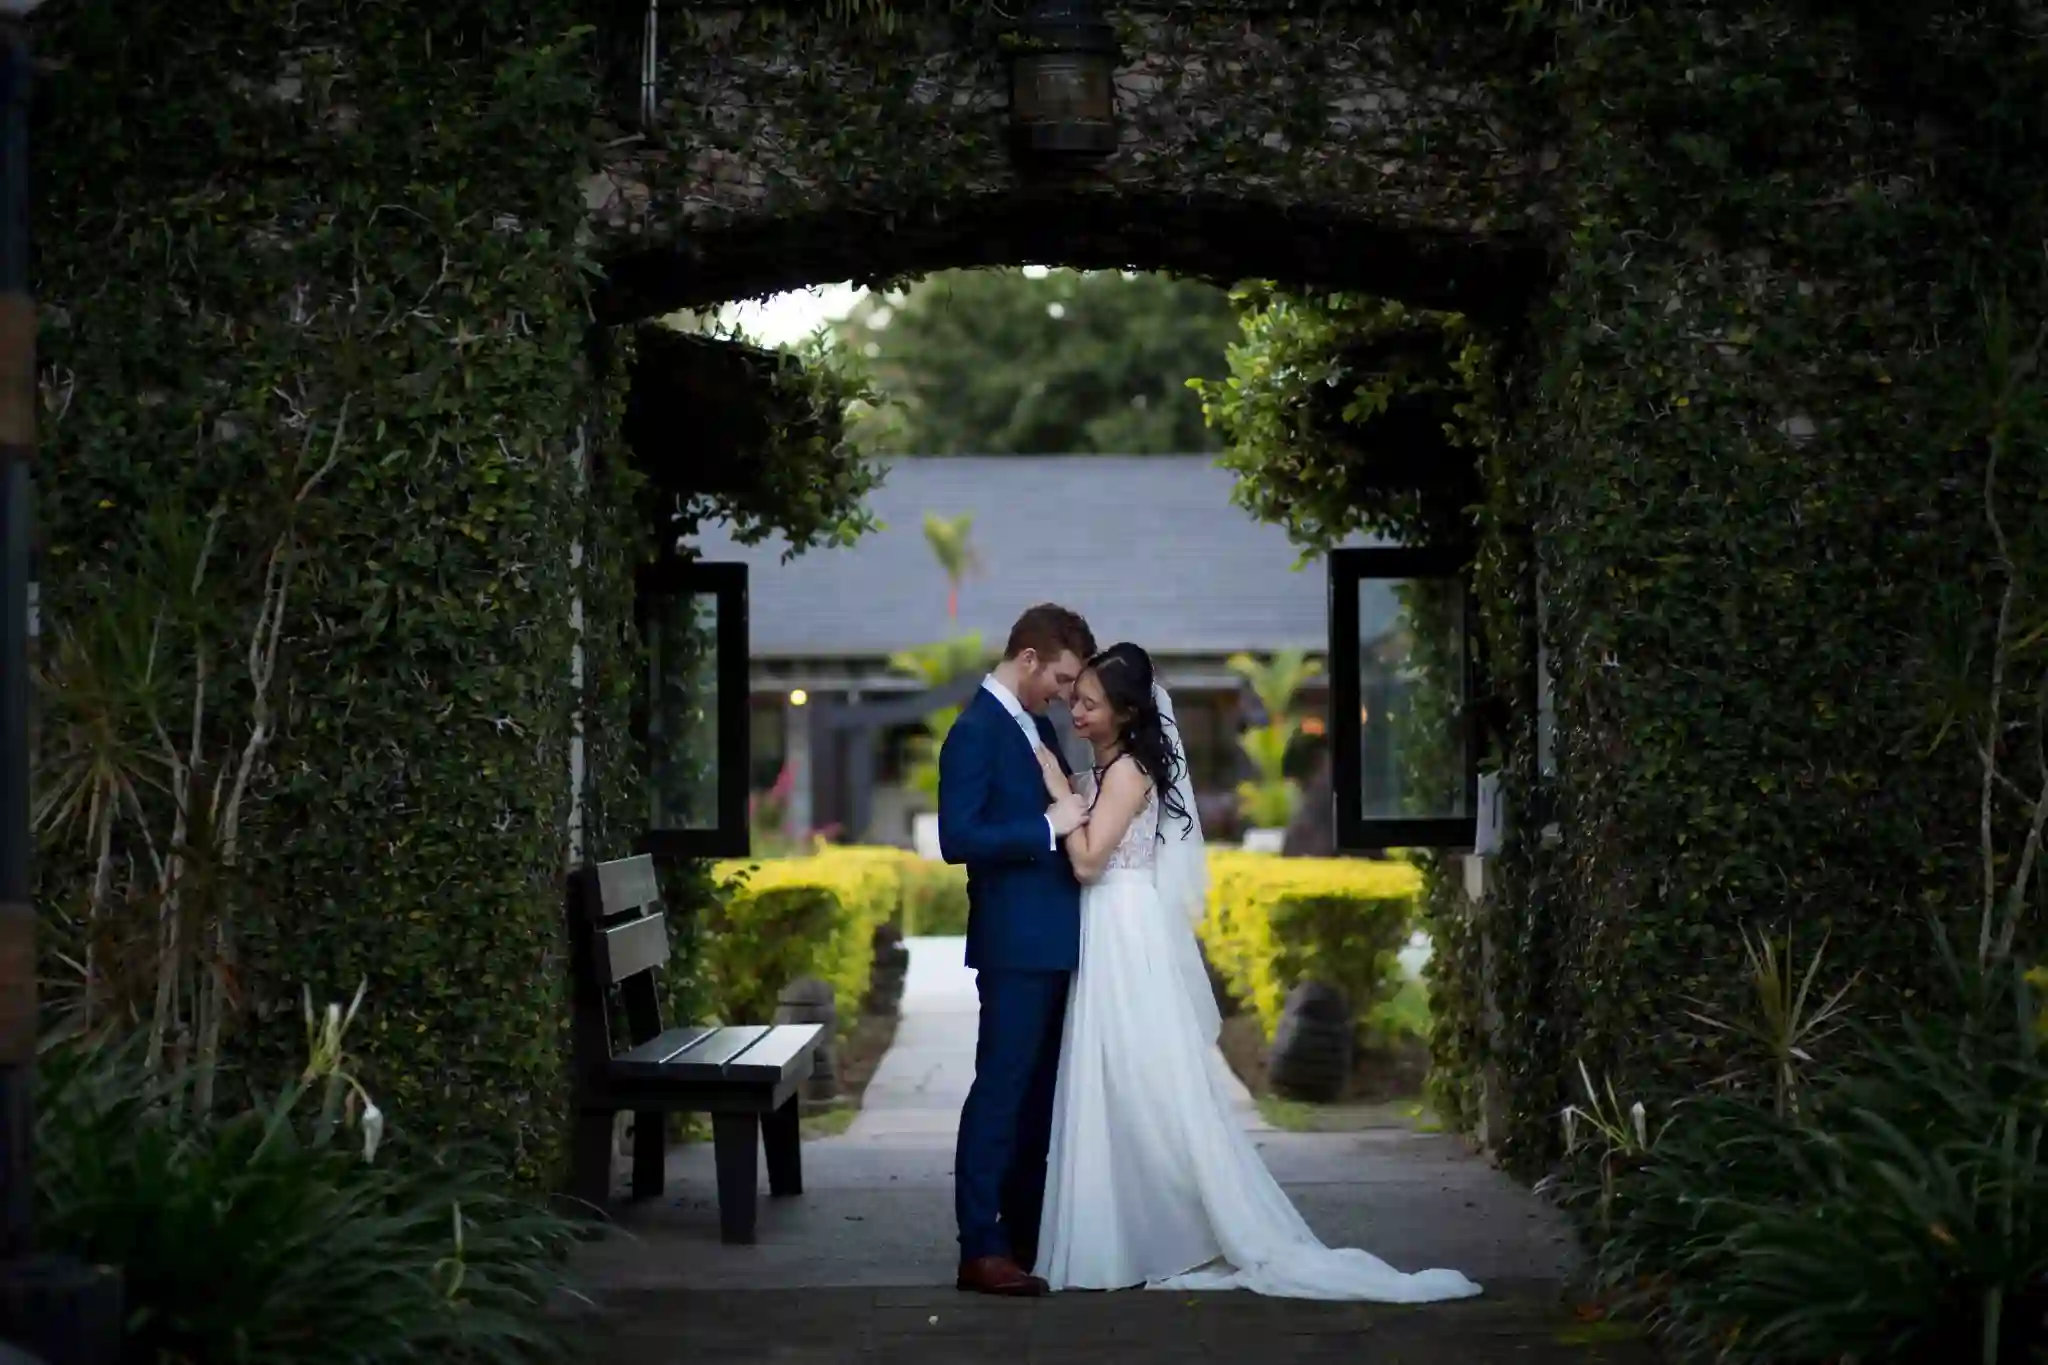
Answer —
(1019, 746)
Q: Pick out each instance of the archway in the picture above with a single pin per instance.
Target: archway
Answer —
(1276, 216)
(774, 150)
(1212, 235)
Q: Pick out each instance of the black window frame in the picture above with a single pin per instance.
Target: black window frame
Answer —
(731, 835)
(1348, 568)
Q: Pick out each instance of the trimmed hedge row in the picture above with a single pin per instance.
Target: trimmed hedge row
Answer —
(1271, 923)
(1274, 922)
(934, 898)
(778, 919)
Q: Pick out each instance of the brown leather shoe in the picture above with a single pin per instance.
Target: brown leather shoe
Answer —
(998, 1275)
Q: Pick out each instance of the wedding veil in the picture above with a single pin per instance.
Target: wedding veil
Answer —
(1181, 876)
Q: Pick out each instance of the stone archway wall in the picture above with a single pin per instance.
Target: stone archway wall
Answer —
(1747, 445)
(787, 150)
(1350, 150)
(1759, 230)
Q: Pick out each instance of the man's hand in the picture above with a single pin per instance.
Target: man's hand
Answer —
(1067, 814)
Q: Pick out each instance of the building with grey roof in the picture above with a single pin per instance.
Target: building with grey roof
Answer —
(1148, 548)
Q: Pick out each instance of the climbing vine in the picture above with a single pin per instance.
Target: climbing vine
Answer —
(1348, 415)
(1736, 437)
(1744, 447)
(806, 476)
(326, 236)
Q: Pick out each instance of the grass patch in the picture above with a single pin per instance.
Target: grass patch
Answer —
(1293, 1116)
(1289, 1115)
(828, 1122)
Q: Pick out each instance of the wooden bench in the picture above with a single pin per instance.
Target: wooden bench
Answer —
(746, 1077)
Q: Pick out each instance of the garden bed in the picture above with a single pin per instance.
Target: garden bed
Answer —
(1385, 1089)
(860, 1052)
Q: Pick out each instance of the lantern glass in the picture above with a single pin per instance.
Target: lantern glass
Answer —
(1063, 84)
(1064, 87)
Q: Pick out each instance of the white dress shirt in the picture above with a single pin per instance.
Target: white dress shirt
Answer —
(1029, 727)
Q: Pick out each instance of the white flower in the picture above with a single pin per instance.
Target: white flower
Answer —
(1642, 1123)
(373, 1128)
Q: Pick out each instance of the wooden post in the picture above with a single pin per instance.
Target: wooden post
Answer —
(67, 1312)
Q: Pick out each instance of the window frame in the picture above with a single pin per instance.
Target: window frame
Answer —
(731, 834)
(1348, 569)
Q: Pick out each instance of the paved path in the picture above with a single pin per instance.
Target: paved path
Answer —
(856, 1267)
(917, 1091)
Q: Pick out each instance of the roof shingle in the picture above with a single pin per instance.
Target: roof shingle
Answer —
(1148, 548)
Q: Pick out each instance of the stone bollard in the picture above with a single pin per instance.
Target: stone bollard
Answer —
(1311, 1057)
(807, 1000)
(885, 976)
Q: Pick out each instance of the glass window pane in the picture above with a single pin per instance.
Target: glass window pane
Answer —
(1411, 672)
(682, 716)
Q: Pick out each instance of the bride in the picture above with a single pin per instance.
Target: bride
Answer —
(1150, 1180)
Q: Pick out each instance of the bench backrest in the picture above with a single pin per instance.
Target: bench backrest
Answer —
(618, 937)
(622, 907)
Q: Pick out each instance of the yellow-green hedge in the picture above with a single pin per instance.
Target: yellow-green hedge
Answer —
(934, 897)
(1274, 922)
(781, 918)
(1271, 922)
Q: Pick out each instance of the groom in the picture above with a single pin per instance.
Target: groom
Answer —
(1023, 939)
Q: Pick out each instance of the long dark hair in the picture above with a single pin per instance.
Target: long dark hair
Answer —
(1125, 672)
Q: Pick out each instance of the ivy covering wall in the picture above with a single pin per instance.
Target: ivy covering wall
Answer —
(1747, 440)
(316, 278)
(280, 241)
(1765, 407)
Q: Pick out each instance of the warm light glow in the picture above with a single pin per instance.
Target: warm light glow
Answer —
(798, 697)
(1312, 725)
(1364, 716)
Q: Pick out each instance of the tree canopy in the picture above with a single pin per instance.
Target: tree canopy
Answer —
(1035, 362)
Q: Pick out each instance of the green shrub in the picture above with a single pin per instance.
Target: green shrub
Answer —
(1274, 922)
(1404, 1015)
(258, 1238)
(783, 918)
(1898, 1212)
(934, 898)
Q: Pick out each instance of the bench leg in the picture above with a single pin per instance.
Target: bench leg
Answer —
(783, 1142)
(590, 1157)
(650, 1154)
(736, 1148)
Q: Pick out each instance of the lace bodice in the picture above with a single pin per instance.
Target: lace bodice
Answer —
(1138, 850)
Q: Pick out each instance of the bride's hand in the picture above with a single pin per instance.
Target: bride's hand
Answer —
(1056, 785)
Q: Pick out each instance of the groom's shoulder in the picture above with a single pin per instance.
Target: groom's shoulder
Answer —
(971, 712)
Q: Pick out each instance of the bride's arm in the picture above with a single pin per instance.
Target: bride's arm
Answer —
(1122, 796)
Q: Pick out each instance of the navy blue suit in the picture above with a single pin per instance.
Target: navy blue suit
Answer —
(1024, 941)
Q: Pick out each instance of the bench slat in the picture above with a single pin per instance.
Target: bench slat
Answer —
(633, 947)
(785, 1048)
(627, 884)
(752, 1056)
(668, 1046)
(711, 1055)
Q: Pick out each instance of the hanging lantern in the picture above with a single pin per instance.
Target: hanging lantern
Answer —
(1063, 83)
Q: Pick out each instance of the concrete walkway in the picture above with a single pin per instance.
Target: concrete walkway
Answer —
(917, 1091)
(869, 1246)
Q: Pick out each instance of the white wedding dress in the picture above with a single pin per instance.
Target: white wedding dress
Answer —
(1151, 1180)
